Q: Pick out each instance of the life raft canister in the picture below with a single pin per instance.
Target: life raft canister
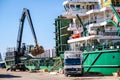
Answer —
(76, 36)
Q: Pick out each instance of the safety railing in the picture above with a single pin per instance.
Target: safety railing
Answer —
(109, 46)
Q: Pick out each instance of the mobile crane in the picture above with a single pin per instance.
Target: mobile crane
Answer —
(20, 53)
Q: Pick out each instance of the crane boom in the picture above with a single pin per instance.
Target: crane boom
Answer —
(84, 28)
(25, 13)
(116, 20)
(35, 51)
(116, 14)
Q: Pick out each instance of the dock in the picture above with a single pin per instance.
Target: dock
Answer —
(8, 75)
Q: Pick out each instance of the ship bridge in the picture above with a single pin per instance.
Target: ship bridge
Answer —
(73, 7)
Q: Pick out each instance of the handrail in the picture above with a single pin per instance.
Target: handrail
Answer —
(103, 46)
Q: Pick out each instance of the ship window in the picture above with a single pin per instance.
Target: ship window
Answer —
(105, 0)
(87, 7)
(72, 6)
(66, 6)
(93, 7)
(90, 7)
(78, 7)
(107, 15)
(83, 7)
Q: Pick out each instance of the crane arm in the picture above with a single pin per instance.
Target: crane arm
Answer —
(115, 12)
(116, 20)
(84, 28)
(80, 20)
(37, 49)
(20, 31)
(31, 25)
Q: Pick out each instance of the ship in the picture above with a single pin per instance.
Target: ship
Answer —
(95, 30)
(45, 61)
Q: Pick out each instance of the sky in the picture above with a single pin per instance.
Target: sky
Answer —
(43, 14)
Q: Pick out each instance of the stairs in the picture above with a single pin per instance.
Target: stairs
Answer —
(58, 63)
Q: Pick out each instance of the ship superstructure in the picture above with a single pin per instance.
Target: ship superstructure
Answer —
(94, 34)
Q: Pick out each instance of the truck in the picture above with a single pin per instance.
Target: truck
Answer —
(73, 63)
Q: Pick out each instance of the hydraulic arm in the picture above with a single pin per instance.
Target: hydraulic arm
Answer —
(116, 14)
(37, 49)
(84, 28)
(116, 20)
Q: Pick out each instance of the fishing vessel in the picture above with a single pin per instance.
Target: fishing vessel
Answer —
(95, 31)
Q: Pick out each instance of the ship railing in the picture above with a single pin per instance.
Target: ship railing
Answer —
(100, 47)
(73, 27)
(74, 12)
(102, 19)
(99, 19)
(110, 33)
(96, 21)
(107, 33)
(96, 47)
